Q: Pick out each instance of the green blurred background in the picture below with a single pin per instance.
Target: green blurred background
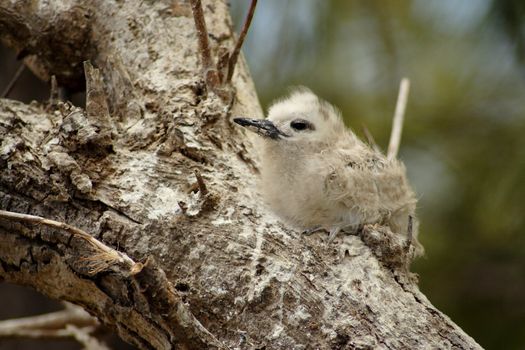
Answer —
(463, 138)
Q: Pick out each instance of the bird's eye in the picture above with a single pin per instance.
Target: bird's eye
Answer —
(300, 125)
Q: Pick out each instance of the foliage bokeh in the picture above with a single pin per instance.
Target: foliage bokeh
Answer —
(462, 139)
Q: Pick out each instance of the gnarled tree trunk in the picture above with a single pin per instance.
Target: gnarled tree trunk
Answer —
(153, 168)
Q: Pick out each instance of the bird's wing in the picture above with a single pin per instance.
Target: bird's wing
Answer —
(364, 181)
(353, 181)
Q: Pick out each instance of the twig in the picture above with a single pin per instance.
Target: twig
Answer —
(410, 233)
(202, 32)
(370, 138)
(397, 124)
(235, 53)
(54, 95)
(72, 322)
(211, 74)
(110, 255)
(13, 81)
(200, 182)
(83, 336)
(410, 227)
(50, 321)
(222, 63)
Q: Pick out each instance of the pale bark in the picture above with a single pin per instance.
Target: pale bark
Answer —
(123, 170)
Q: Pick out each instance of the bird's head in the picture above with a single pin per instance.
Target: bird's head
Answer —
(299, 118)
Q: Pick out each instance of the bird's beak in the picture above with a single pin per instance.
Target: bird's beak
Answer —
(263, 127)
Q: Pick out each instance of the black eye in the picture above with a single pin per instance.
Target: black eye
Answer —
(300, 124)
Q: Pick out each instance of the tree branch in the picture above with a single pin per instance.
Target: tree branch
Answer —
(150, 280)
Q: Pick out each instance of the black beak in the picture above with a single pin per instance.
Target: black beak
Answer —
(263, 127)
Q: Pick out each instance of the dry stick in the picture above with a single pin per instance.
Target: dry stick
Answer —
(82, 335)
(397, 124)
(200, 182)
(222, 63)
(111, 255)
(13, 81)
(235, 53)
(73, 322)
(211, 74)
(370, 139)
(50, 321)
(54, 95)
(202, 32)
(37, 333)
(410, 233)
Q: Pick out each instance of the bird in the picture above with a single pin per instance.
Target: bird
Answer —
(318, 175)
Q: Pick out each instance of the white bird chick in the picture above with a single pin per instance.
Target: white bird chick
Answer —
(317, 174)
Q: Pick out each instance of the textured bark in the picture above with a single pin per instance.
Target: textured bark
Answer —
(222, 270)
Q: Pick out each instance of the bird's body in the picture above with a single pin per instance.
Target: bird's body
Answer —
(317, 174)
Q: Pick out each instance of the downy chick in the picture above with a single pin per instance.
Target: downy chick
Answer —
(317, 174)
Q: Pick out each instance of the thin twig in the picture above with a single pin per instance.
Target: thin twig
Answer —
(410, 227)
(211, 74)
(200, 182)
(53, 320)
(370, 139)
(37, 333)
(222, 63)
(72, 322)
(83, 336)
(111, 255)
(235, 53)
(202, 32)
(54, 95)
(410, 233)
(13, 80)
(397, 124)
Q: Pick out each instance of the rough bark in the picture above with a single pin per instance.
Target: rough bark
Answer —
(154, 168)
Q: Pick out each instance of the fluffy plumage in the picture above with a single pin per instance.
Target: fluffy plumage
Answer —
(317, 174)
